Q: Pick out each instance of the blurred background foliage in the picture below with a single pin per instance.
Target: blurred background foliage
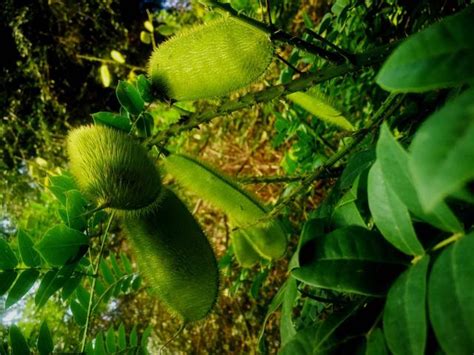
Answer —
(60, 62)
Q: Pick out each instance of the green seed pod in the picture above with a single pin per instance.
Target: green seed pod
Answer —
(111, 168)
(175, 257)
(210, 60)
(267, 237)
(244, 252)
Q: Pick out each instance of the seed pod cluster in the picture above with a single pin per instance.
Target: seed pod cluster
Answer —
(210, 60)
(267, 237)
(173, 253)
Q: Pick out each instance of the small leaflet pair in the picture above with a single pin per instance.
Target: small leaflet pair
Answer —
(171, 249)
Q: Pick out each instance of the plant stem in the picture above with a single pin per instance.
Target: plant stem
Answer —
(387, 108)
(447, 241)
(279, 35)
(285, 179)
(94, 280)
(306, 81)
(109, 61)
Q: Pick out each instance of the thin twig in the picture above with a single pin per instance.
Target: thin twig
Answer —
(109, 61)
(295, 69)
(94, 280)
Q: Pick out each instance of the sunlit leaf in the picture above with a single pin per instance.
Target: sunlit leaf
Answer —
(113, 120)
(404, 318)
(105, 75)
(148, 26)
(319, 106)
(110, 340)
(144, 88)
(441, 55)
(451, 297)
(60, 244)
(117, 56)
(145, 37)
(129, 98)
(76, 207)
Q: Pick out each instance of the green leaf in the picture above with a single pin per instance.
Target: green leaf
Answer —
(393, 161)
(145, 336)
(318, 105)
(76, 206)
(106, 273)
(122, 340)
(440, 56)
(99, 344)
(126, 263)
(22, 285)
(442, 151)
(357, 164)
(134, 337)
(312, 228)
(60, 244)
(144, 88)
(8, 259)
(287, 329)
(390, 214)
(53, 281)
(79, 312)
(45, 341)
(346, 212)
(110, 340)
(351, 259)
(113, 120)
(145, 125)
(257, 283)
(129, 98)
(28, 254)
(18, 343)
(7, 278)
(376, 343)
(451, 297)
(70, 286)
(404, 318)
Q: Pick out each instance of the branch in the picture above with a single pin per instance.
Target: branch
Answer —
(109, 61)
(94, 280)
(306, 81)
(387, 108)
(332, 173)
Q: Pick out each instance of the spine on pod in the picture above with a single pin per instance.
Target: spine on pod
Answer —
(111, 168)
(175, 257)
(210, 60)
(268, 238)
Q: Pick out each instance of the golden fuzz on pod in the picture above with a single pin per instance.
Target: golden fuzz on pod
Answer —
(111, 168)
(175, 257)
(267, 237)
(210, 60)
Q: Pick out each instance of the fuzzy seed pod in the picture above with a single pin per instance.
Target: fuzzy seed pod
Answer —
(267, 237)
(111, 168)
(210, 60)
(175, 257)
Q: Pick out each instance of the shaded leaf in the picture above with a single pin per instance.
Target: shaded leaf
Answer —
(351, 259)
(404, 318)
(28, 254)
(45, 341)
(76, 206)
(113, 120)
(451, 297)
(134, 337)
(393, 161)
(346, 212)
(145, 125)
(440, 56)
(79, 312)
(390, 214)
(60, 244)
(376, 343)
(70, 286)
(7, 278)
(129, 98)
(144, 88)
(8, 259)
(442, 151)
(287, 328)
(121, 339)
(22, 285)
(357, 164)
(18, 343)
(110, 340)
(51, 282)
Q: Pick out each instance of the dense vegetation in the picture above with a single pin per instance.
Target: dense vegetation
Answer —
(327, 155)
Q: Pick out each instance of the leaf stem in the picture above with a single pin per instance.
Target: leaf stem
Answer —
(447, 241)
(94, 280)
(109, 61)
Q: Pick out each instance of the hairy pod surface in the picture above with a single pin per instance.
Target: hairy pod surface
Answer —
(210, 60)
(175, 257)
(244, 252)
(111, 168)
(267, 237)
